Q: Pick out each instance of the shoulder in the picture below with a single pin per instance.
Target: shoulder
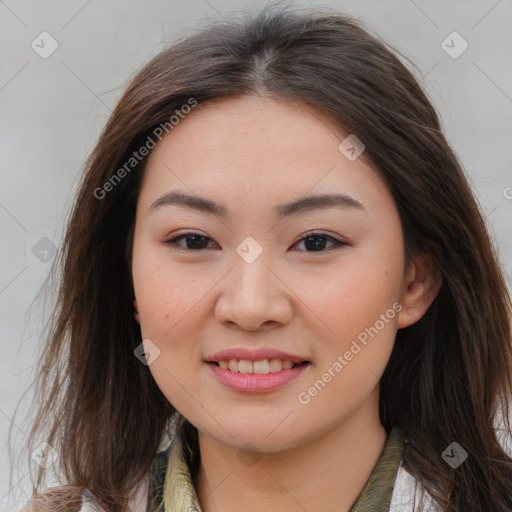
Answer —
(139, 502)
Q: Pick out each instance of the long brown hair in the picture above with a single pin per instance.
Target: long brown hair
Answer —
(449, 374)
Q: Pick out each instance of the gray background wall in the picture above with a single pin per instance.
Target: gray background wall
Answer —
(52, 110)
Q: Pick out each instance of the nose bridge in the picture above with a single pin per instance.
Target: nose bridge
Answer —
(251, 279)
(253, 294)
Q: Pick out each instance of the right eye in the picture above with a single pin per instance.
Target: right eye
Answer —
(193, 241)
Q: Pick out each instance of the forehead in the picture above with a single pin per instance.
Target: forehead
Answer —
(255, 123)
(259, 147)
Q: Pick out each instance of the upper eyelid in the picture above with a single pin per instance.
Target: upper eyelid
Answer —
(304, 235)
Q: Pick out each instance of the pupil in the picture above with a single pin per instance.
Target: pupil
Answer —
(315, 245)
(197, 241)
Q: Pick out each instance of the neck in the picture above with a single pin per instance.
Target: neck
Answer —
(328, 473)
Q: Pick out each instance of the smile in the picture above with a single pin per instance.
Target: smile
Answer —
(256, 376)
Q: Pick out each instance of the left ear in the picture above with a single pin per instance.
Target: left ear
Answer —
(421, 285)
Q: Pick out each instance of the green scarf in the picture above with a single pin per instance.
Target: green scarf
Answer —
(170, 474)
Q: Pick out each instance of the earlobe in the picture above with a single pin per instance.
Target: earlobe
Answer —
(136, 311)
(422, 284)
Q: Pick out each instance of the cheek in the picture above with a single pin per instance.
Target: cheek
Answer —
(356, 314)
(171, 298)
(165, 293)
(169, 305)
(359, 321)
(353, 297)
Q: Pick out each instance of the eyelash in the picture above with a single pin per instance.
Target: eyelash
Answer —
(310, 234)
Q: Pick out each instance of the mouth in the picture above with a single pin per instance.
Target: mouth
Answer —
(265, 375)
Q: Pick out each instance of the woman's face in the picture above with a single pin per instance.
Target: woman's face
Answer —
(246, 281)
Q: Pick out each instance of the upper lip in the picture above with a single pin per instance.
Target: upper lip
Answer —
(254, 355)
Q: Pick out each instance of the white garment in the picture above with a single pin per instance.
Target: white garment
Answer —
(407, 492)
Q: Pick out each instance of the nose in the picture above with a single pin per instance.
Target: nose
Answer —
(254, 297)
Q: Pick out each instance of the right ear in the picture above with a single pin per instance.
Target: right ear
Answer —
(136, 311)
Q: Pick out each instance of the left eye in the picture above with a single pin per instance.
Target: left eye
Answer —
(313, 237)
(313, 240)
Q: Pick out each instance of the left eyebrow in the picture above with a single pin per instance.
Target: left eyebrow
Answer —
(304, 204)
(317, 202)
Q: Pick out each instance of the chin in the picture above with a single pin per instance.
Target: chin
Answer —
(262, 435)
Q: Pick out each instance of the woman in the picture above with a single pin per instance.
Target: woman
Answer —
(276, 262)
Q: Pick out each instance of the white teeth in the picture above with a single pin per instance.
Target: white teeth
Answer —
(245, 366)
(276, 365)
(260, 367)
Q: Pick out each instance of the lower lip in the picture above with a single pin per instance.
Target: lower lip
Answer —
(256, 382)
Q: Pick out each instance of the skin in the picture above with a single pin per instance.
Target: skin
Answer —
(250, 154)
